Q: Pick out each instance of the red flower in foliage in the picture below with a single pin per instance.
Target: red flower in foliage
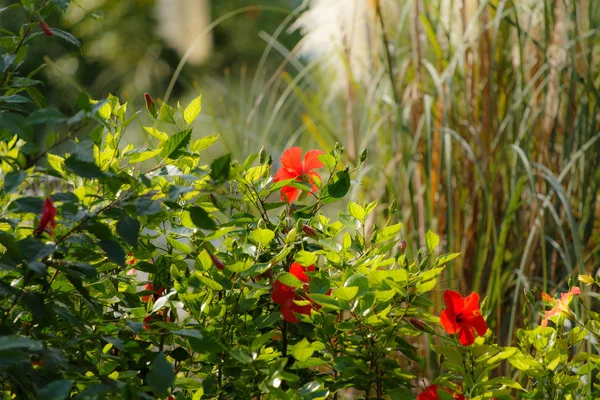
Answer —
(285, 295)
(431, 393)
(293, 167)
(46, 28)
(216, 261)
(155, 317)
(462, 316)
(47, 222)
(157, 293)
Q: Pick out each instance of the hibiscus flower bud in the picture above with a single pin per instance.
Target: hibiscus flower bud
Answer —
(417, 323)
(150, 105)
(217, 262)
(46, 28)
(309, 231)
(402, 246)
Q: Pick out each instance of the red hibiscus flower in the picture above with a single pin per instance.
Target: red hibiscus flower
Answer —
(561, 307)
(47, 222)
(157, 293)
(462, 316)
(130, 259)
(431, 393)
(293, 167)
(285, 295)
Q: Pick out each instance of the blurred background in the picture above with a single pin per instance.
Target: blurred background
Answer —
(480, 116)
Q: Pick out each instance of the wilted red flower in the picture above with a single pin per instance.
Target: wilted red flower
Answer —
(217, 262)
(48, 218)
(46, 28)
(431, 393)
(309, 231)
(157, 293)
(293, 167)
(462, 316)
(561, 307)
(285, 295)
(39, 363)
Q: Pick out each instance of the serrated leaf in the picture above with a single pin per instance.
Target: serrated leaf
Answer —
(135, 157)
(192, 110)
(56, 162)
(167, 114)
(174, 146)
(177, 245)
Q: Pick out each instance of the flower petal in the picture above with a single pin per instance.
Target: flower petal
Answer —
(311, 160)
(312, 175)
(299, 271)
(289, 194)
(479, 324)
(292, 160)
(471, 304)
(281, 293)
(284, 174)
(448, 321)
(287, 312)
(454, 301)
(466, 336)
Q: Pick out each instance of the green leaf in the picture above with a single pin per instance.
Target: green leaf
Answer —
(192, 110)
(201, 219)
(177, 245)
(262, 236)
(11, 245)
(16, 124)
(161, 375)
(167, 114)
(46, 116)
(67, 37)
(302, 350)
(15, 99)
(13, 179)
(345, 293)
(328, 160)
(146, 206)
(289, 280)
(219, 168)
(83, 169)
(114, 251)
(357, 211)
(204, 143)
(174, 147)
(6, 61)
(139, 156)
(8, 343)
(56, 162)
(305, 258)
(57, 390)
(29, 204)
(432, 241)
(359, 281)
(129, 229)
(341, 186)
(156, 133)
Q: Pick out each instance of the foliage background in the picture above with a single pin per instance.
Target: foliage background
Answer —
(484, 129)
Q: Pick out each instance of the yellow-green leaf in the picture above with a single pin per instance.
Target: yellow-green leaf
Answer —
(192, 110)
